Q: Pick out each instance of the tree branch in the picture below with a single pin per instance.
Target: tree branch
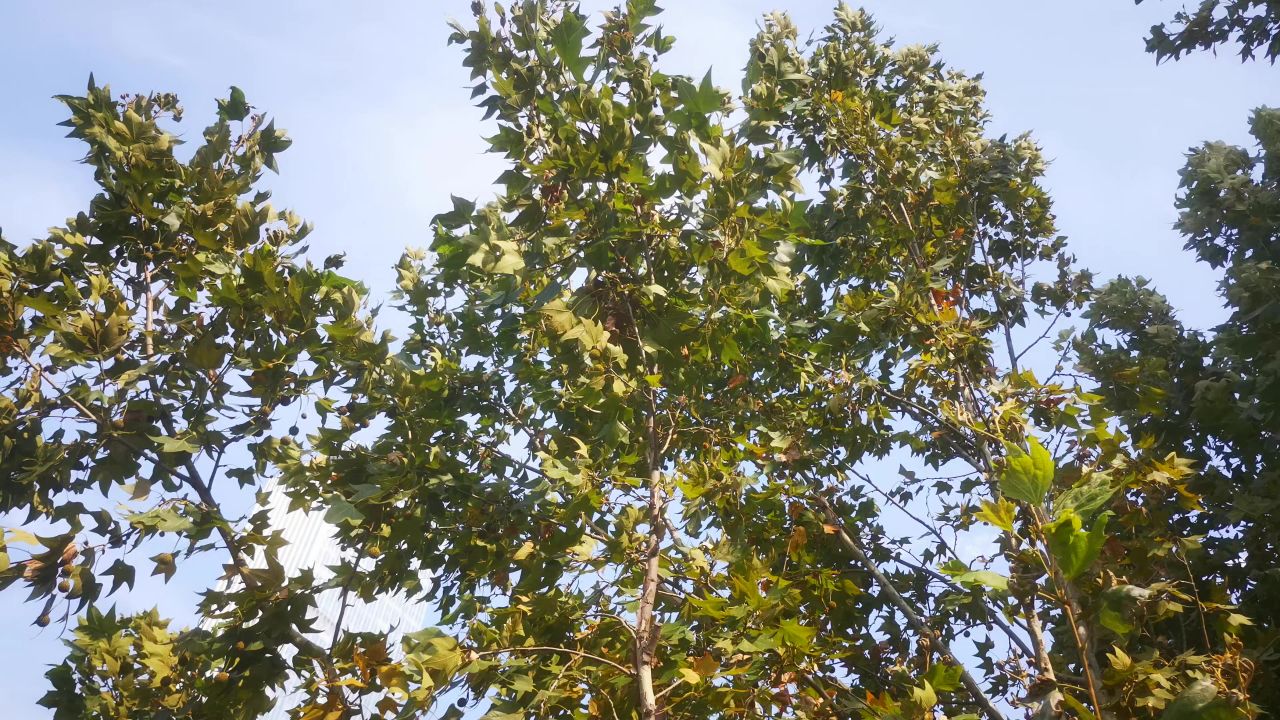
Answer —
(913, 618)
(568, 651)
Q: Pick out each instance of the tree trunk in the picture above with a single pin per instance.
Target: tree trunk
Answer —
(646, 624)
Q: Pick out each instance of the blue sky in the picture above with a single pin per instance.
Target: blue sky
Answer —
(384, 131)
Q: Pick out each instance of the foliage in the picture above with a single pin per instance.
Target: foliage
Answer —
(1211, 396)
(148, 346)
(1253, 24)
(1214, 397)
(637, 428)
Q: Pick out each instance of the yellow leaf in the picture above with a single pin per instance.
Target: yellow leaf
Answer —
(706, 666)
(22, 536)
(584, 549)
(1235, 620)
(690, 676)
(393, 678)
(799, 537)
(525, 551)
(999, 513)
(1120, 660)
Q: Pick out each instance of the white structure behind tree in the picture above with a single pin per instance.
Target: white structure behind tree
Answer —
(311, 547)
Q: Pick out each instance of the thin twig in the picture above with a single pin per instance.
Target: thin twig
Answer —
(568, 651)
(913, 618)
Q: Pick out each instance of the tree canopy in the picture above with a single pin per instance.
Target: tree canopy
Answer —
(1254, 25)
(639, 428)
(1211, 396)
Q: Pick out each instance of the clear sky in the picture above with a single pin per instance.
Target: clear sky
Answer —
(384, 131)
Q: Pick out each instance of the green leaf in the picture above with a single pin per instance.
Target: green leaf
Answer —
(1118, 603)
(122, 573)
(702, 99)
(944, 677)
(508, 264)
(983, 578)
(164, 519)
(1027, 477)
(791, 632)
(174, 445)
(1114, 620)
(521, 683)
(566, 40)
(1199, 701)
(746, 257)
(741, 262)
(206, 353)
(562, 319)
(1070, 701)
(1086, 497)
(923, 696)
(165, 565)
(341, 511)
(1074, 549)
(457, 217)
(234, 107)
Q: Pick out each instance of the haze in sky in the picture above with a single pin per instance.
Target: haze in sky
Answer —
(384, 131)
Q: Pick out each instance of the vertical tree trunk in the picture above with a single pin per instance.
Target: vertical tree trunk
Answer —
(646, 649)
(646, 624)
